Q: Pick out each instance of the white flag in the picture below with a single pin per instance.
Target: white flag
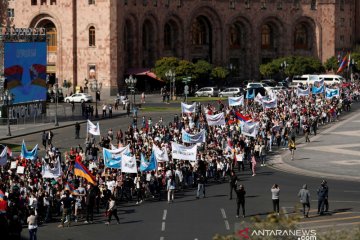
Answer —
(272, 103)
(3, 157)
(92, 128)
(250, 128)
(51, 172)
(186, 108)
(183, 152)
(236, 101)
(215, 120)
(128, 164)
(258, 98)
(161, 155)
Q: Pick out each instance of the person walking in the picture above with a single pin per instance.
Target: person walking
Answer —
(112, 210)
(275, 191)
(50, 136)
(90, 203)
(292, 148)
(44, 139)
(143, 97)
(240, 200)
(32, 225)
(77, 130)
(306, 129)
(67, 202)
(171, 189)
(322, 193)
(233, 183)
(304, 196)
(262, 154)
(253, 164)
(201, 185)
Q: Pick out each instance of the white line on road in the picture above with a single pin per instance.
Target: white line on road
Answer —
(164, 215)
(162, 238)
(163, 226)
(227, 226)
(223, 213)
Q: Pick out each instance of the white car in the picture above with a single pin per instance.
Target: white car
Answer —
(207, 91)
(231, 92)
(259, 85)
(79, 97)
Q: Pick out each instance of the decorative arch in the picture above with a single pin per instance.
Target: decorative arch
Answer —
(149, 43)
(172, 36)
(304, 34)
(130, 36)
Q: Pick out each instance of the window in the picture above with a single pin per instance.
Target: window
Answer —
(198, 33)
(342, 39)
(279, 4)
(92, 37)
(297, 4)
(51, 38)
(247, 4)
(10, 12)
(342, 5)
(33, 2)
(52, 2)
(236, 36)
(301, 38)
(91, 2)
(313, 5)
(232, 4)
(263, 4)
(265, 36)
(167, 36)
(43, 2)
(342, 22)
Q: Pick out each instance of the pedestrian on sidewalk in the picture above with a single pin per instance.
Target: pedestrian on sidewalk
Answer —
(292, 148)
(77, 130)
(50, 136)
(304, 196)
(275, 191)
(44, 139)
(233, 183)
(322, 193)
(240, 200)
(112, 210)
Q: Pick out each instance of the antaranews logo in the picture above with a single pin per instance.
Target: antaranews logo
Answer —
(298, 234)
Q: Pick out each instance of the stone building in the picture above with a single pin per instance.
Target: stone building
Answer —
(115, 37)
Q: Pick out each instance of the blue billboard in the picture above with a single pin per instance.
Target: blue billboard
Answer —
(25, 70)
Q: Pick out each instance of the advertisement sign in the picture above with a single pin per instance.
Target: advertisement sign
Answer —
(25, 71)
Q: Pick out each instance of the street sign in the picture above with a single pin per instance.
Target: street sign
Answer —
(186, 89)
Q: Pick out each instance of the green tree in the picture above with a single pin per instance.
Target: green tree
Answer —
(3, 12)
(165, 64)
(202, 70)
(185, 69)
(331, 64)
(219, 73)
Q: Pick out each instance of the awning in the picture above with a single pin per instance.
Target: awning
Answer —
(142, 72)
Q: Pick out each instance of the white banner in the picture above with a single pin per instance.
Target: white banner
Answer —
(20, 170)
(250, 129)
(183, 152)
(193, 138)
(13, 165)
(3, 157)
(302, 92)
(215, 120)
(258, 98)
(128, 164)
(51, 172)
(93, 129)
(186, 108)
(269, 103)
(161, 155)
(236, 101)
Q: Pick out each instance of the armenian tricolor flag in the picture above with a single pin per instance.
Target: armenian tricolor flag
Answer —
(81, 171)
(241, 117)
(38, 75)
(344, 63)
(69, 187)
(13, 76)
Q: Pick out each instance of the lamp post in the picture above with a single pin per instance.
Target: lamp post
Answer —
(8, 98)
(96, 86)
(283, 66)
(231, 68)
(170, 74)
(56, 103)
(131, 83)
(186, 80)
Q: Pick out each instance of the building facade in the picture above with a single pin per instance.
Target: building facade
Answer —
(114, 36)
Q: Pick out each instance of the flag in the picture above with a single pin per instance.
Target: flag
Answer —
(272, 103)
(81, 171)
(51, 172)
(13, 76)
(161, 155)
(182, 152)
(32, 155)
(3, 156)
(250, 93)
(112, 158)
(2, 195)
(92, 128)
(319, 83)
(128, 164)
(250, 128)
(302, 92)
(343, 64)
(242, 118)
(38, 75)
(236, 101)
(70, 187)
(330, 93)
(146, 165)
(317, 90)
(193, 138)
(186, 108)
(215, 120)
(258, 98)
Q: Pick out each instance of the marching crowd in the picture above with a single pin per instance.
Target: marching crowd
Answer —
(30, 198)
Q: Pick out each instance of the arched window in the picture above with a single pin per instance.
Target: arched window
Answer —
(301, 37)
(236, 36)
(92, 36)
(198, 32)
(167, 36)
(266, 37)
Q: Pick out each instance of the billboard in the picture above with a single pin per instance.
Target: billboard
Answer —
(25, 70)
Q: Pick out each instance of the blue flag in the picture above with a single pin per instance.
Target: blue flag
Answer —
(112, 158)
(150, 165)
(330, 93)
(250, 94)
(31, 155)
(318, 90)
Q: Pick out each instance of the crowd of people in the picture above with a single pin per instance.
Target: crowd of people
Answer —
(33, 199)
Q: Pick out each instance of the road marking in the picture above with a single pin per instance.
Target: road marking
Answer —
(329, 220)
(223, 213)
(163, 226)
(162, 238)
(164, 214)
(227, 226)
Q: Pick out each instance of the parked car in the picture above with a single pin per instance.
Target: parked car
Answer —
(231, 92)
(79, 97)
(270, 82)
(259, 85)
(207, 91)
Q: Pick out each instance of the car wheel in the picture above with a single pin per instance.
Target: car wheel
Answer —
(67, 100)
(209, 95)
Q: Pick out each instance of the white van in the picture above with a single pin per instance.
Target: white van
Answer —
(310, 79)
(331, 79)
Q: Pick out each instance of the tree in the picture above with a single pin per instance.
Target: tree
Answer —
(202, 70)
(219, 73)
(331, 64)
(165, 64)
(185, 69)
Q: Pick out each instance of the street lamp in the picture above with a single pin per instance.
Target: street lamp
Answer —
(171, 76)
(56, 103)
(8, 98)
(96, 86)
(283, 66)
(131, 83)
(186, 80)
